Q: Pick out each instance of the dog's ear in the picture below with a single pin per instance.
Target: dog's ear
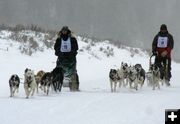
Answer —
(12, 76)
(16, 77)
(125, 64)
(26, 70)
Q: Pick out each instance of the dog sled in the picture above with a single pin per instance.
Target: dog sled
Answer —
(70, 75)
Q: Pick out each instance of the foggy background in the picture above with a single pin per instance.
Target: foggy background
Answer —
(131, 22)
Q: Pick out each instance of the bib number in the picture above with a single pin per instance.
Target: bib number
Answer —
(65, 45)
(162, 42)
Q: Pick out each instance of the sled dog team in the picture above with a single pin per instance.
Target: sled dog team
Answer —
(135, 76)
(32, 82)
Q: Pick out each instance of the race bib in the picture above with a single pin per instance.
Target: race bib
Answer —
(162, 42)
(65, 45)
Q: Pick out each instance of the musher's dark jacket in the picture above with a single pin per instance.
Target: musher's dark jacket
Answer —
(72, 53)
(170, 44)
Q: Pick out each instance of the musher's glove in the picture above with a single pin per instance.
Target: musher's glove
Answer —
(154, 53)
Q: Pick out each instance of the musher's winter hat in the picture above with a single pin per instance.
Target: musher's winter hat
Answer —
(65, 28)
(163, 27)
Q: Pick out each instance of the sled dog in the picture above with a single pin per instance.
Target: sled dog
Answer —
(125, 70)
(155, 76)
(140, 74)
(133, 77)
(38, 77)
(114, 79)
(29, 82)
(57, 79)
(14, 82)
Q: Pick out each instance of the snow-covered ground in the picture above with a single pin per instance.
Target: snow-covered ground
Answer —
(95, 104)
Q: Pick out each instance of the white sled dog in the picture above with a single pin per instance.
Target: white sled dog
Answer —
(133, 77)
(14, 82)
(29, 82)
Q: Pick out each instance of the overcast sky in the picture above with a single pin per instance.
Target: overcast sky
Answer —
(132, 22)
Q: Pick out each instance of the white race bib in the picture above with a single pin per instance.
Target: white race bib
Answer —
(162, 42)
(65, 45)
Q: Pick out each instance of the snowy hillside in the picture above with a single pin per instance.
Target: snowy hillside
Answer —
(95, 104)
